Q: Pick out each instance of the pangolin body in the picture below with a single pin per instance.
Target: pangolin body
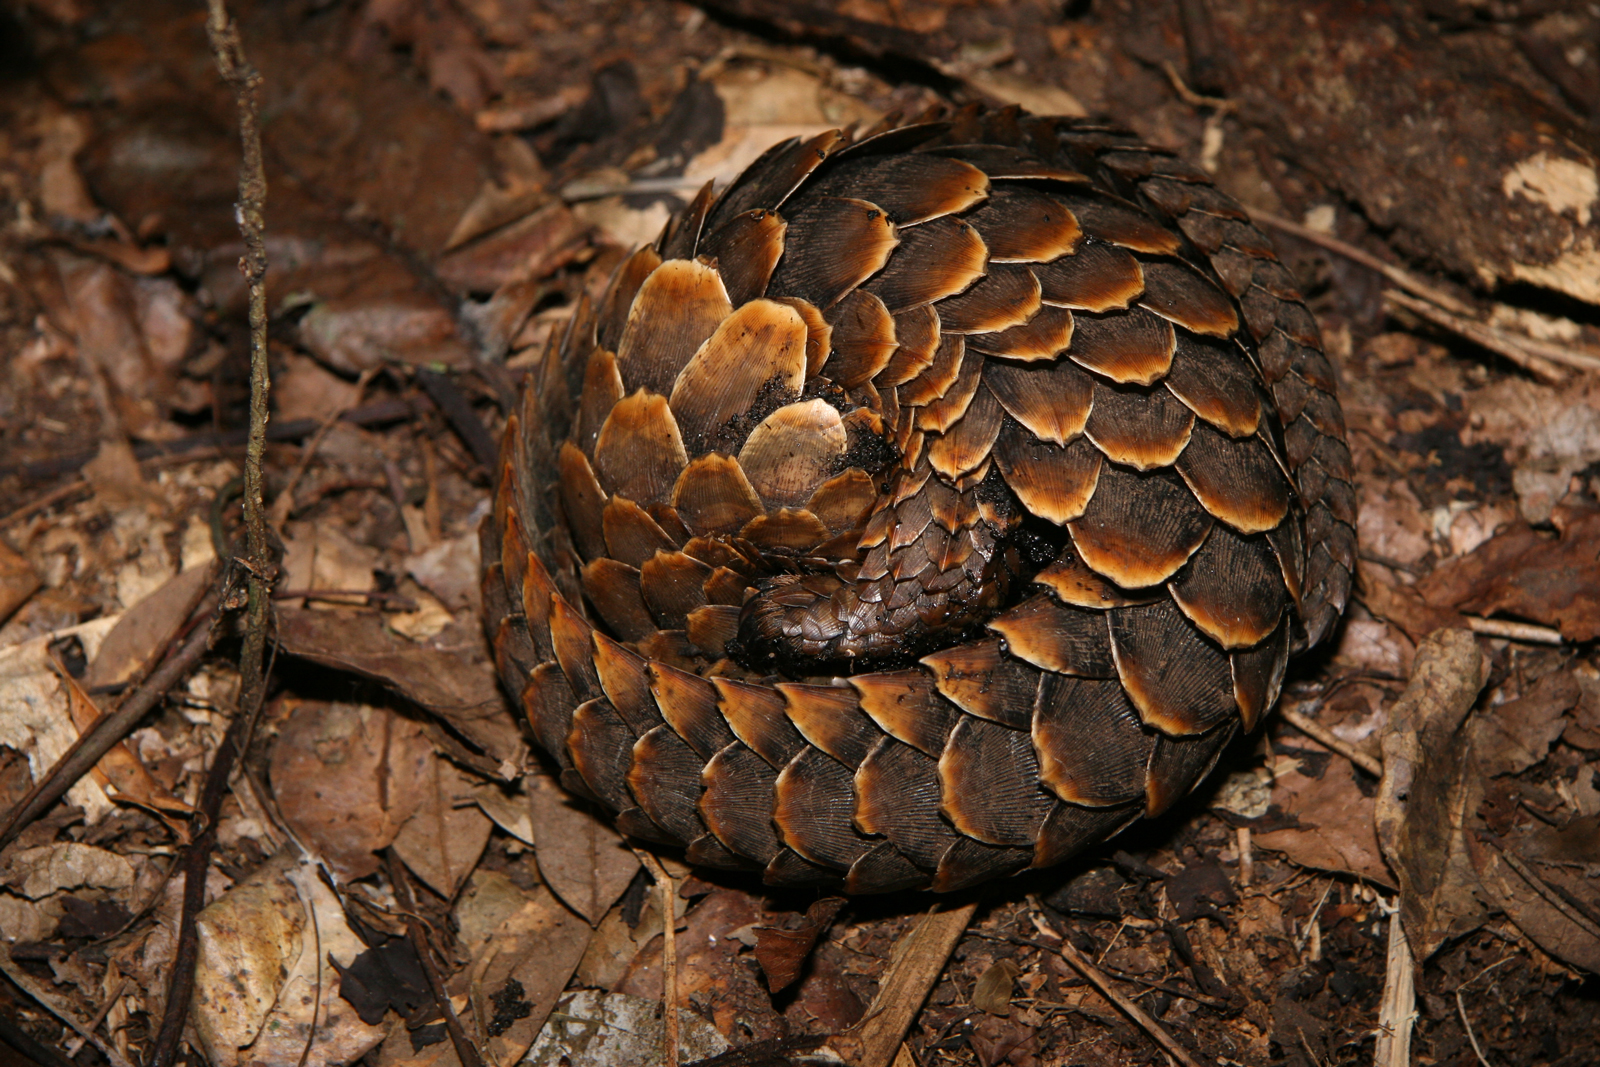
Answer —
(926, 506)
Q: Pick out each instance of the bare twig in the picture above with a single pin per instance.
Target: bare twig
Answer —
(96, 742)
(466, 1051)
(1403, 278)
(669, 957)
(1325, 737)
(58, 1006)
(228, 51)
(1247, 856)
(1466, 1024)
(1518, 350)
(1097, 978)
(1525, 632)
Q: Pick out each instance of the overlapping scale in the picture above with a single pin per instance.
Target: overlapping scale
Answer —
(758, 353)
(832, 245)
(677, 307)
(1138, 529)
(1139, 428)
(1128, 347)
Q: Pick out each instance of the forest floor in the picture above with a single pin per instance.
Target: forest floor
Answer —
(446, 178)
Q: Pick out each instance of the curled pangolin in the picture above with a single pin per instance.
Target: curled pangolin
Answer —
(924, 507)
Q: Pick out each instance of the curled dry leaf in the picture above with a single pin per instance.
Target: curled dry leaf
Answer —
(782, 953)
(1428, 792)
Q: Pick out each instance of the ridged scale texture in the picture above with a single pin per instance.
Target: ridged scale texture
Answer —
(923, 508)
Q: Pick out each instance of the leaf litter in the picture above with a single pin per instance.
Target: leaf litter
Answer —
(1253, 922)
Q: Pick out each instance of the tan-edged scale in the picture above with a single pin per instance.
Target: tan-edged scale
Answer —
(930, 504)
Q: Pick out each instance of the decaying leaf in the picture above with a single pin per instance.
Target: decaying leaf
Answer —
(146, 628)
(593, 1029)
(456, 684)
(347, 777)
(1428, 791)
(1511, 737)
(269, 949)
(782, 953)
(445, 835)
(581, 857)
(1526, 575)
(992, 991)
(1335, 824)
(18, 581)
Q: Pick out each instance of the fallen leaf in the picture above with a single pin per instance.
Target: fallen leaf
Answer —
(584, 860)
(130, 780)
(269, 965)
(18, 581)
(449, 570)
(1335, 828)
(782, 952)
(1511, 737)
(1537, 908)
(146, 628)
(1519, 572)
(996, 1041)
(38, 872)
(36, 719)
(318, 557)
(445, 835)
(992, 991)
(593, 1029)
(1428, 792)
(346, 778)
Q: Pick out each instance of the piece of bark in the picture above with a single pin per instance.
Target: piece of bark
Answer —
(1463, 167)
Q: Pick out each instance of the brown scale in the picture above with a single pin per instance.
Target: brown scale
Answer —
(797, 438)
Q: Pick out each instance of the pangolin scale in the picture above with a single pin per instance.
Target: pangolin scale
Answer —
(928, 505)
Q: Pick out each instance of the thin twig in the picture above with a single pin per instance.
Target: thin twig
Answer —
(57, 1006)
(669, 956)
(466, 1051)
(1097, 978)
(1495, 340)
(98, 740)
(76, 1044)
(1525, 632)
(1403, 278)
(1466, 1024)
(1324, 737)
(1550, 897)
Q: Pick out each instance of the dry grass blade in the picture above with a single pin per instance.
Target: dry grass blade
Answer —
(1526, 632)
(918, 960)
(1518, 350)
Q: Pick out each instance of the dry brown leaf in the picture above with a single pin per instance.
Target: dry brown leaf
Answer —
(457, 684)
(1529, 576)
(992, 991)
(346, 777)
(18, 581)
(592, 1029)
(317, 556)
(1429, 792)
(581, 857)
(1539, 909)
(782, 953)
(1511, 737)
(445, 835)
(265, 971)
(1335, 831)
(119, 767)
(146, 628)
(508, 989)
(38, 872)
